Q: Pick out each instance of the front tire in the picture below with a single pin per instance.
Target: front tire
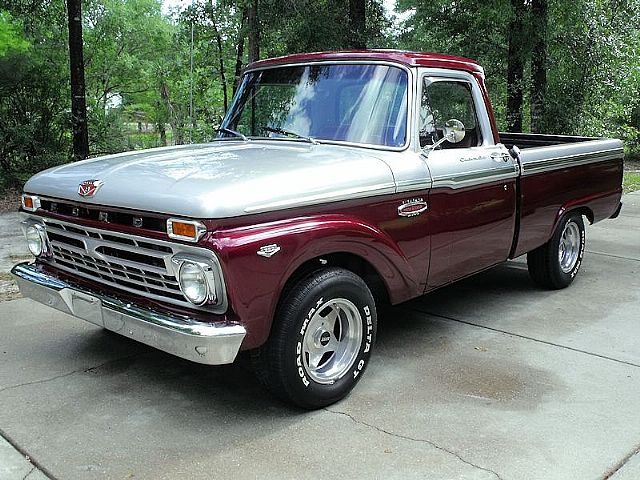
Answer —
(321, 340)
(555, 264)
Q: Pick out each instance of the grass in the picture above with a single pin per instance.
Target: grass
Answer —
(631, 182)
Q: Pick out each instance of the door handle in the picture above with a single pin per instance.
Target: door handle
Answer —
(500, 157)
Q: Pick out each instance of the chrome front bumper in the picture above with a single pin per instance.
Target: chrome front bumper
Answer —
(201, 342)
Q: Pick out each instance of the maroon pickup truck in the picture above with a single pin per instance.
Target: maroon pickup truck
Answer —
(338, 181)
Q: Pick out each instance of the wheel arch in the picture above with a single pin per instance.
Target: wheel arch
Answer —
(257, 284)
(347, 260)
(565, 210)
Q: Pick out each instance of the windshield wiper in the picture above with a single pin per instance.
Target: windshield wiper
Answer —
(232, 132)
(282, 131)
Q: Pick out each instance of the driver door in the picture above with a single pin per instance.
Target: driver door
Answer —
(473, 197)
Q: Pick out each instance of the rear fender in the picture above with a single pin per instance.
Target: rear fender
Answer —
(595, 207)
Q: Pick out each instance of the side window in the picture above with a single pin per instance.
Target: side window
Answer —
(445, 100)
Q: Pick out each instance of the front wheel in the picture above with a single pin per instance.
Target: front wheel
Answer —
(555, 264)
(321, 340)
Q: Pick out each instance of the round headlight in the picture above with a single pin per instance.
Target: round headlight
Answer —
(193, 283)
(35, 240)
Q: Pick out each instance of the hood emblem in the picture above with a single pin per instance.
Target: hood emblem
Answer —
(88, 188)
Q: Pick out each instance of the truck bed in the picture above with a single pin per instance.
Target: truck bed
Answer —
(531, 140)
(559, 173)
(545, 153)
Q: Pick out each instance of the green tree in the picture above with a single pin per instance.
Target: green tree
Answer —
(552, 66)
(34, 92)
(11, 39)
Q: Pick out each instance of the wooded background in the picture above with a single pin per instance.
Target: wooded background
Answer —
(553, 66)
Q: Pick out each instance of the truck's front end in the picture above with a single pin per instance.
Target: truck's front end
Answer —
(139, 274)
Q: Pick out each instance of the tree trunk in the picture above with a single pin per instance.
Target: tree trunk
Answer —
(515, 67)
(163, 134)
(174, 121)
(254, 31)
(357, 15)
(242, 33)
(223, 78)
(78, 99)
(538, 65)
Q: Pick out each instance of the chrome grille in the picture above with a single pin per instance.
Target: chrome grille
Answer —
(134, 264)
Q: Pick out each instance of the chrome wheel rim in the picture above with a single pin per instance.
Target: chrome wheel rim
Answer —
(332, 340)
(569, 246)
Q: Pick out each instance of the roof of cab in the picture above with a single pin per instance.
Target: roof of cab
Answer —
(410, 59)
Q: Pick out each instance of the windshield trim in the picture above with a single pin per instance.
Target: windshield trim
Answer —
(410, 102)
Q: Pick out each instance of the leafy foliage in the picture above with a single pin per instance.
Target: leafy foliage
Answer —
(11, 40)
(34, 112)
(140, 90)
(593, 74)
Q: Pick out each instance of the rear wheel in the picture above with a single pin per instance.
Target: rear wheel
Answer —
(321, 340)
(555, 264)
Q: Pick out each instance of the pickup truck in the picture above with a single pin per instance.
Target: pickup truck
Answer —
(337, 182)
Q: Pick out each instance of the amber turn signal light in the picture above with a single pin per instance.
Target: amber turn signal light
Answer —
(184, 229)
(30, 203)
(189, 230)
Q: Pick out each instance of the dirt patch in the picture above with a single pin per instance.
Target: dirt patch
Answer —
(8, 296)
(5, 276)
(9, 201)
(19, 258)
(8, 288)
(632, 165)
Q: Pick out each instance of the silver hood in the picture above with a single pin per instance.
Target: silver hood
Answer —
(221, 179)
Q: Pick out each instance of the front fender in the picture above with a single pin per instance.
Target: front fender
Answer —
(255, 283)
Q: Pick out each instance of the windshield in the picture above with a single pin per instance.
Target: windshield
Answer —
(349, 103)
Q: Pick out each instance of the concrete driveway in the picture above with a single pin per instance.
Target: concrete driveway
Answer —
(490, 378)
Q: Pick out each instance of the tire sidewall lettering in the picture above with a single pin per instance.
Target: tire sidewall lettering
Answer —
(368, 338)
(301, 372)
(576, 268)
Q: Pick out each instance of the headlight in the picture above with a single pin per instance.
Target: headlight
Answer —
(193, 282)
(36, 239)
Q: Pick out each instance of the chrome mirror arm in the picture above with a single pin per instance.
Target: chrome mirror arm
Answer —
(454, 132)
(447, 138)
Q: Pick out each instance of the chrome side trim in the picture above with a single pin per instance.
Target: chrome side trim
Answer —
(476, 177)
(201, 342)
(557, 163)
(346, 194)
(409, 185)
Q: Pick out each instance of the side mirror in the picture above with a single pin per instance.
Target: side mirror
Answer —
(453, 133)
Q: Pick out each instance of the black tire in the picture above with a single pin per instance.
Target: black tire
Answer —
(283, 364)
(546, 265)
